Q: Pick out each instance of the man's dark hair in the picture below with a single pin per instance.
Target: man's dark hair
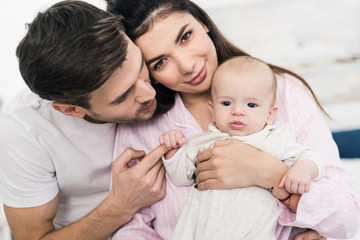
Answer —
(70, 50)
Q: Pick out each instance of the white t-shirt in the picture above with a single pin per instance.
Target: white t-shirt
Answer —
(44, 153)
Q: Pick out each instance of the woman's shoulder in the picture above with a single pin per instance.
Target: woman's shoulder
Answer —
(287, 83)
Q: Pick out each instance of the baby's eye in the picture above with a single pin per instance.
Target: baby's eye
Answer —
(159, 64)
(251, 105)
(226, 103)
(185, 37)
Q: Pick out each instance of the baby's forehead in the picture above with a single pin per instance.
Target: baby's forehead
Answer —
(243, 75)
(257, 82)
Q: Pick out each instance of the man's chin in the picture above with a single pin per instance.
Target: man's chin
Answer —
(141, 117)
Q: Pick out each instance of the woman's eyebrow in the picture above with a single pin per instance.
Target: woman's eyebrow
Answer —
(154, 59)
(181, 32)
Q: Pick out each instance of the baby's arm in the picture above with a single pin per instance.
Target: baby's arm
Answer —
(172, 139)
(299, 177)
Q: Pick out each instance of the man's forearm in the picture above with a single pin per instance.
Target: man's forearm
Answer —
(98, 224)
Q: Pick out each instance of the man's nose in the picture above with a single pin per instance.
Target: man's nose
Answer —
(144, 91)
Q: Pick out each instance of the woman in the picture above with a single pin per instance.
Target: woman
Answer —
(182, 48)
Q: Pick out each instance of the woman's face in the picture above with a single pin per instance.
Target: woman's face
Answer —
(179, 53)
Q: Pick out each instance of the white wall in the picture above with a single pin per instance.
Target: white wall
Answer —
(317, 38)
(14, 15)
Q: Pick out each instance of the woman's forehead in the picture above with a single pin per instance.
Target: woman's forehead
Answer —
(165, 29)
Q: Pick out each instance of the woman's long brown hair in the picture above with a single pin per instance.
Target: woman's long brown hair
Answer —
(141, 15)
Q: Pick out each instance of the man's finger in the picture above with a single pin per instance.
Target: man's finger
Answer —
(152, 158)
(127, 156)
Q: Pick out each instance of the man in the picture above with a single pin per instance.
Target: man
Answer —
(56, 142)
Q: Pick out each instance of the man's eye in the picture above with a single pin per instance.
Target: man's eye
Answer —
(251, 105)
(226, 103)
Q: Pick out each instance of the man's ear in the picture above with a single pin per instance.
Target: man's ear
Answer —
(211, 108)
(69, 110)
(272, 114)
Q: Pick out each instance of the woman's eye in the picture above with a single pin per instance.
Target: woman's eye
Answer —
(226, 103)
(159, 64)
(185, 37)
(251, 105)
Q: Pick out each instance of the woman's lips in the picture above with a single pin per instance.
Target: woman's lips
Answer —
(200, 77)
(237, 125)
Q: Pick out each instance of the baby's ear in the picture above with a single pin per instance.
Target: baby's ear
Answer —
(211, 108)
(271, 115)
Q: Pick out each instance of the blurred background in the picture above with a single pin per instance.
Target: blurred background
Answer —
(318, 39)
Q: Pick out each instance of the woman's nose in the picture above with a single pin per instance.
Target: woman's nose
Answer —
(186, 62)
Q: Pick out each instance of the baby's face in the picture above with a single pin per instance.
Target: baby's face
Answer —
(242, 102)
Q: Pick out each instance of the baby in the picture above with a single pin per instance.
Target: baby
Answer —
(243, 108)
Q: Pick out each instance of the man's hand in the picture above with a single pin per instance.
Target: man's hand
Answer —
(139, 186)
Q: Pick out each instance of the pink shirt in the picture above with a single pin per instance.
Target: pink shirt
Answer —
(330, 207)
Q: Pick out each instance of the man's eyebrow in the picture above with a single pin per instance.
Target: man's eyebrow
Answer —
(177, 39)
(142, 61)
(123, 96)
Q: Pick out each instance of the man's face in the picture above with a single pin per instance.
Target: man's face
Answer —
(127, 96)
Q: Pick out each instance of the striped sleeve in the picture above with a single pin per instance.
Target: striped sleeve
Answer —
(330, 207)
(159, 220)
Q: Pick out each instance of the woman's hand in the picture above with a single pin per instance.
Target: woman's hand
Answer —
(233, 164)
(309, 235)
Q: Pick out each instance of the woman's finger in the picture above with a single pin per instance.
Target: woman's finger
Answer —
(309, 235)
(204, 156)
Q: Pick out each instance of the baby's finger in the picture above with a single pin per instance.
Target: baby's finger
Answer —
(301, 188)
(282, 182)
(173, 141)
(182, 141)
(294, 188)
(167, 141)
(288, 186)
(161, 140)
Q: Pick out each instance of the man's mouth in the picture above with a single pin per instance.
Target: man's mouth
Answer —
(149, 106)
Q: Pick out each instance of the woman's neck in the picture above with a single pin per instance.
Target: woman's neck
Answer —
(198, 105)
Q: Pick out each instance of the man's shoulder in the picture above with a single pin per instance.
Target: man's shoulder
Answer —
(27, 114)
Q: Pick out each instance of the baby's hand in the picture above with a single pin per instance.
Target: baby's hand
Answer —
(299, 177)
(172, 139)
